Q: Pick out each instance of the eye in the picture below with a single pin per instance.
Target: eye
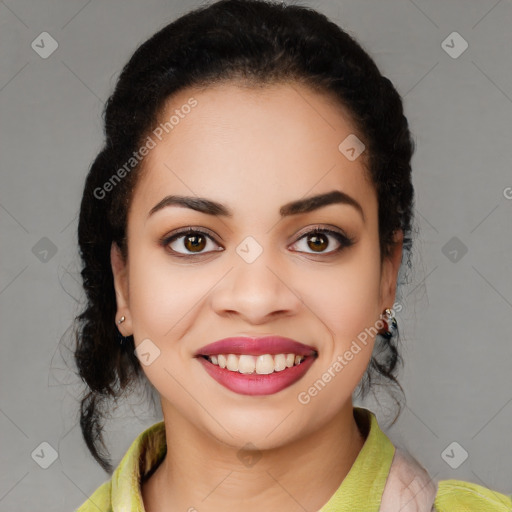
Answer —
(194, 242)
(188, 239)
(318, 240)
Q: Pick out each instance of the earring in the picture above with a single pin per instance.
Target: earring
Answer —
(120, 338)
(390, 323)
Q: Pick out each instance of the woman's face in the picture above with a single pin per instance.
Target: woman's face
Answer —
(256, 271)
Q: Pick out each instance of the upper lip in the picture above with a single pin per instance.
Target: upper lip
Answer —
(256, 346)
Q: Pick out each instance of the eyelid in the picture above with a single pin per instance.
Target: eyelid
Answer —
(325, 228)
(187, 229)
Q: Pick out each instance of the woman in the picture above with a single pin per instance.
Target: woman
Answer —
(242, 231)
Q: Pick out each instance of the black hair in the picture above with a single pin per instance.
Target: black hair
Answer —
(256, 42)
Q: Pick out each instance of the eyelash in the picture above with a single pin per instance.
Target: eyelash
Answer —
(343, 240)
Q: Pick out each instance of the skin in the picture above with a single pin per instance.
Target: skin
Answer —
(253, 150)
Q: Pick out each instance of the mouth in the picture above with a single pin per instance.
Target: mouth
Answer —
(256, 366)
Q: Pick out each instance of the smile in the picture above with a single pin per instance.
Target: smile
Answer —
(255, 383)
(256, 365)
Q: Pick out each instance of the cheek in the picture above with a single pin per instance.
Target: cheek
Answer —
(347, 304)
(162, 294)
(345, 298)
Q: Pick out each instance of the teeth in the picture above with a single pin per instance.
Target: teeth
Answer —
(246, 364)
(262, 365)
(232, 363)
(279, 362)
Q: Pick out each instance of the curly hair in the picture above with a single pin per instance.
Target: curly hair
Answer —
(258, 42)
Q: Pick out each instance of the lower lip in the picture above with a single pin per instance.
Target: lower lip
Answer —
(255, 384)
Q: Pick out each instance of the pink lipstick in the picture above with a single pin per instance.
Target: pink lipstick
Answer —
(256, 366)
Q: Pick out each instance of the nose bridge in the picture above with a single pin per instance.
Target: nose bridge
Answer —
(255, 269)
(257, 285)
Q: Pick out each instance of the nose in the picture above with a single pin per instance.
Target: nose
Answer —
(257, 292)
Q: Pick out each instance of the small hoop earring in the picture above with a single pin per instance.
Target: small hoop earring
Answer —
(390, 322)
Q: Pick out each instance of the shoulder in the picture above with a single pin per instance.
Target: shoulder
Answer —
(99, 500)
(469, 497)
(409, 487)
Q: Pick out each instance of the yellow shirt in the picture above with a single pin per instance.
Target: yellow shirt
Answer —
(360, 491)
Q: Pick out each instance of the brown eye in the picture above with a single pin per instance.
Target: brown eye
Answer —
(319, 239)
(190, 242)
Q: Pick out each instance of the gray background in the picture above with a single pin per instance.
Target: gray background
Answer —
(457, 305)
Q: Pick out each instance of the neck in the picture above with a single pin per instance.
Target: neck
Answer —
(199, 472)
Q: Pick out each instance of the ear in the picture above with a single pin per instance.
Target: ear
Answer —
(389, 272)
(120, 274)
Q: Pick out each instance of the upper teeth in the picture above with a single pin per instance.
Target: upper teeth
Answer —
(262, 364)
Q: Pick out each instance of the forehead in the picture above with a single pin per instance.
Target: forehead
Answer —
(280, 141)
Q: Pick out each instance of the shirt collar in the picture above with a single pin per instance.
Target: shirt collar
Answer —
(362, 487)
(144, 454)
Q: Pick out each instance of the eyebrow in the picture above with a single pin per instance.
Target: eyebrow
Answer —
(306, 205)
